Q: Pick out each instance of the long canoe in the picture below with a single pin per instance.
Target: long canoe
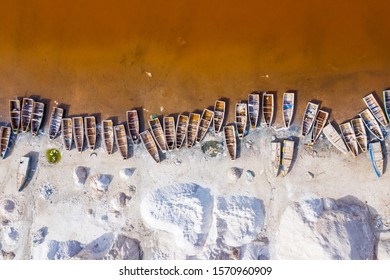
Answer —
(27, 109)
(108, 135)
(334, 137)
(67, 133)
(133, 125)
(241, 119)
(230, 140)
(170, 133)
(349, 137)
(121, 140)
(386, 100)
(158, 134)
(5, 135)
(360, 132)
(268, 108)
(253, 109)
(204, 124)
(78, 132)
(37, 117)
(276, 150)
(55, 122)
(376, 156)
(288, 108)
(319, 123)
(287, 156)
(371, 124)
(90, 131)
(192, 129)
(150, 145)
(375, 109)
(181, 130)
(309, 117)
(14, 115)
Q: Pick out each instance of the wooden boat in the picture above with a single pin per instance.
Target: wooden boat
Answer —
(268, 108)
(360, 133)
(241, 119)
(78, 132)
(375, 109)
(90, 131)
(253, 109)
(55, 122)
(67, 133)
(319, 123)
(5, 135)
(192, 129)
(386, 100)
(219, 115)
(158, 134)
(288, 108)
(27, 109)
(133, 125)
(21, 175)
(121, 140)
(150, 145)
(276, 149)
(108, 135)
(204, 124)
(334, 137)
(230, 140)
(309, 117)
(349, 137)
(371, 124)
(181, 130)
(287, 156)
(14, 115)
(170, 133)
(37, 117)
(376, 156)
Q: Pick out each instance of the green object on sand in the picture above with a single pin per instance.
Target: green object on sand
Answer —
(53, 156)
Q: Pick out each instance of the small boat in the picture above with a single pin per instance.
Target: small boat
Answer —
(90, 131)
(158, 134)
(276, 150)
(27, 109)
(21, 176)
(309, 117)
(253, 109)
(386, 99)
(287, 156)
(204, 124)
(181, 130)
(268, 108)
(219, 115)
(37, 117)
(360, 132)
(334, 137)
(376, 156)
(55, 122)
(121, 140)
(170, 133)
(67, 133)
(108, 135)
(5, 135)
(349, 137)
(78, 132)
(133, 125)
(371, 124)
(14, 114)
(375, 109)
(241, 119)
(319, 123)
(192, 129)
(150, 145)
(230, 140)
(288, 108)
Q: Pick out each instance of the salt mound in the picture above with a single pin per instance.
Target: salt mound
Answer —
(383, 252)
(234, 173)
(80, 175)
(100, 182)
(98, 248)
(183, 210)
(239, 219)
(340, 230)
(126, 173)
(56, 250)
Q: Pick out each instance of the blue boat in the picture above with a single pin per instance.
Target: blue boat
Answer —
(376, 156)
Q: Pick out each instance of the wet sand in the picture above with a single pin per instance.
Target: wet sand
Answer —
(179, 56)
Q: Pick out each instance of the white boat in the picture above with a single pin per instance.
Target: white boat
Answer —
(276, 150)
(5, 135)
(253, 109)
(309, 117)
(219, 115)
(55, 122)
(287, 156)
(230, 140)
(268, 107)
(349, 137)
(371, 124)
(204, 124)
(21, 175)
(241, 119)
(375, 109)
(360, 132)
(386, 100)
(319, 123)
(334, 137)
(376, 156)
(288, 108)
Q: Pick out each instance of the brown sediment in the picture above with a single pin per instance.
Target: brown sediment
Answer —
(101, 57)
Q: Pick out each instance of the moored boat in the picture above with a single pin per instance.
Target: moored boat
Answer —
(37, 117)
(27, 109)
(158, 134)
(253, 109)
(108, 135)
(287, 156)
(268, 108)
(349, 137)
(375, 109)
(241, 119)
(230, 140)
(5, 135)
(192, 129)
(386, 100)
(371, 124)
(90, 131)
(14, 114)
(276, 150)
(288, 108)
(150, 145)
(133, 125)
(319, 123)
(55, 122)
(219, 115)
(334, 137)
(170, 134)
(204, 124)
(376, 155)
(360, 132)
(181, 130)
(21, 175)
(67, 133)
(309, 117)
(78, 132)
(121, 140)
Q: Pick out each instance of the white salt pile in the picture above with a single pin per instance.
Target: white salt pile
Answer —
(100, 182)
(80, 174)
